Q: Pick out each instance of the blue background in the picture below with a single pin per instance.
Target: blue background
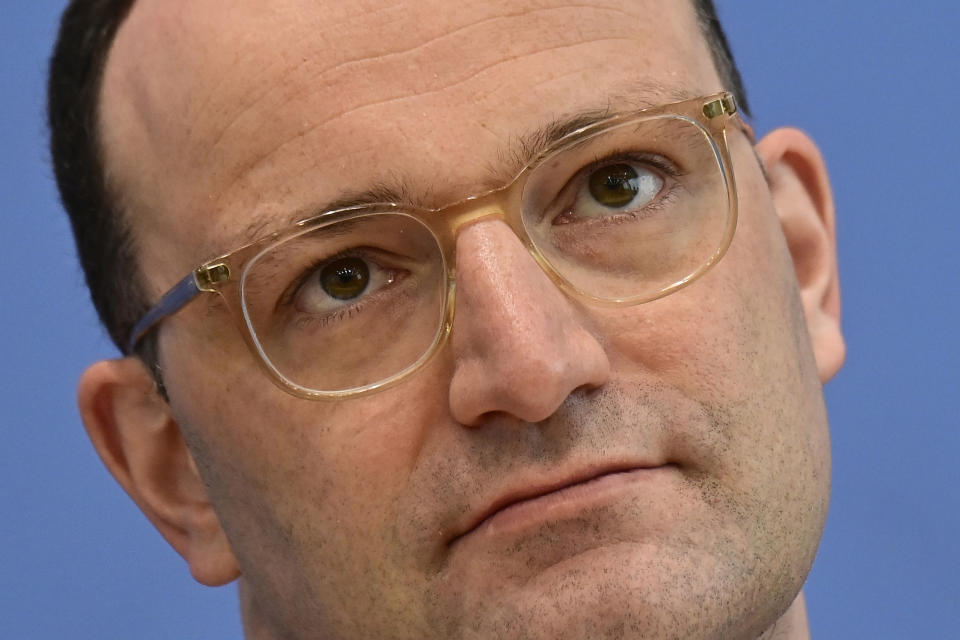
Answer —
(876, 83)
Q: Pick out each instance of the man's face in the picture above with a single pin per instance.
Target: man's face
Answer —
(385, 516)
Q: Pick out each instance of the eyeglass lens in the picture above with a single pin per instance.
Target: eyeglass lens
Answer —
(620, 215)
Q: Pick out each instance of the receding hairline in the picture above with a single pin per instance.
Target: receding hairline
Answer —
(85, 40)
(641, 94)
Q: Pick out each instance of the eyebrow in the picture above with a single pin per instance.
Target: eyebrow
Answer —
(512, 158)
(644, 96)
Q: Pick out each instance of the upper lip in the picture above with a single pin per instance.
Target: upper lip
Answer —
(536, 488)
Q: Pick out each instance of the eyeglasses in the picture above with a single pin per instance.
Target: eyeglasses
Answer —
(350, 301)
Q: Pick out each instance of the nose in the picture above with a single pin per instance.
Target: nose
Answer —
(518, 344)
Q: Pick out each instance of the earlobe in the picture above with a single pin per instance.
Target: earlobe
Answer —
(140, 443)
(803, 200)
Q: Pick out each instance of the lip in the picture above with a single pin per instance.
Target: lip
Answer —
(531, 504)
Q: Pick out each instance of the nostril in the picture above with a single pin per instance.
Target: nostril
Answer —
(585, 390)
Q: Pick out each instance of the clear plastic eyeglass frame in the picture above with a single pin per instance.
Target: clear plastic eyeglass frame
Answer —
(225, 274)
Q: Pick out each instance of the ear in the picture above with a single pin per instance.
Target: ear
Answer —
(803, 200)
(138, 440)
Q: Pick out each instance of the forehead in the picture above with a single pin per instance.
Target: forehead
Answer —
(215, 118)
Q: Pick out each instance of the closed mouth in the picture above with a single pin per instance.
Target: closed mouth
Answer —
(540, 501)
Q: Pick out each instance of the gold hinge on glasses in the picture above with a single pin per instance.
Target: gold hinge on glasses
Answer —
(209, 275)
(724, 105)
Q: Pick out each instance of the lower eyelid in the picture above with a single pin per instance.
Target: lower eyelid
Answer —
(306, 320)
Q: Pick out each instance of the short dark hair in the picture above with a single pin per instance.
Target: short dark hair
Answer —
(104, 244)
(101, 231)
(720, 49)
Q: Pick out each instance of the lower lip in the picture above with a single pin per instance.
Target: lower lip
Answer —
(568, 502)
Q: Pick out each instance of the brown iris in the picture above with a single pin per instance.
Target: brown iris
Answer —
(346, 278)
(614, 186)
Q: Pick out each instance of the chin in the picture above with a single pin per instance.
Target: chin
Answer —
(619, 590)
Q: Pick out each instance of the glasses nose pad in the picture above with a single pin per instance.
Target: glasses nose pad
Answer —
(503, 204)
(469, 212)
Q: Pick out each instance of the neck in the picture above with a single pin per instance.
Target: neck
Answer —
(792, 625)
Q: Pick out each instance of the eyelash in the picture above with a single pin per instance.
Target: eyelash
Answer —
(290, 293)
(306, 321)
(658, 162)
(650, 159)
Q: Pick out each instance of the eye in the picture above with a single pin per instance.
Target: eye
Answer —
(346, 278)
(340, 282)
(617, 187)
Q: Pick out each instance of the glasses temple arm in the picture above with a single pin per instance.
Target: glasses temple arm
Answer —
(174, 300)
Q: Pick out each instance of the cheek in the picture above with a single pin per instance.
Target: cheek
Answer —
(726, 334)
(247, 426)
(710, 340)
(346, 461)
(735, 343)
(303, 488)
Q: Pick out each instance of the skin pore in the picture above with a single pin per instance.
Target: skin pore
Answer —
(354, 519)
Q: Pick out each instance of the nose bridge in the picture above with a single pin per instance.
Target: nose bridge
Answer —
(518, 346)
(502, 203)
(475, 210)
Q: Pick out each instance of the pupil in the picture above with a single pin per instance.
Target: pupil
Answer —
(345, 278)
(614, 186)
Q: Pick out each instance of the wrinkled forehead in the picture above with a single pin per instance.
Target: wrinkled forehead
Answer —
(214, 116)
